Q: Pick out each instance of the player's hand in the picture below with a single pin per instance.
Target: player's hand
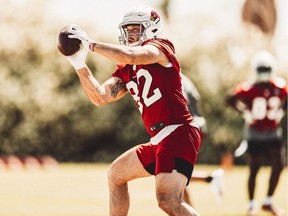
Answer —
(247, 115)
(78, 60)
(78, 33)
(200, 121)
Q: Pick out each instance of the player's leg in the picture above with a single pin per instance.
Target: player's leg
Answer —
(197, 176)
(200, 176)
(277, 164)
(125, 168)
(215, 178)
(169, 189)
(255, 160)
(187, 197)
(175, 159)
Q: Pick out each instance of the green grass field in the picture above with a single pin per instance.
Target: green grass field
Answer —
(82, 190)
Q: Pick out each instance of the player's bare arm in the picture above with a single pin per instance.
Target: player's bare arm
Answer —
(133, 55)
(143, 55)
(232, 100)
(111, 90)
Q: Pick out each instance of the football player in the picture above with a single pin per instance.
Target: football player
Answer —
(193, 101)
(262, 104)
(215, 178)
(150, 71)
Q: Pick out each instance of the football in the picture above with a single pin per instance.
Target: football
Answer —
(67, 46)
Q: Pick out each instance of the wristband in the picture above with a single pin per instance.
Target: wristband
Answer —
(91, 46)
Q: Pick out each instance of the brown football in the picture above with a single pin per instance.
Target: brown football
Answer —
(67, 46)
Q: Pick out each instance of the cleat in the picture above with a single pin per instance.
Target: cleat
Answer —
(217, 183)
(272, 209)
(252, 212)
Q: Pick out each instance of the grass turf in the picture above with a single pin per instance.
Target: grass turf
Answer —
(82, 190)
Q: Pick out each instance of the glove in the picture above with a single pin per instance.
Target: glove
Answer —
(78, 33)
(78, 60)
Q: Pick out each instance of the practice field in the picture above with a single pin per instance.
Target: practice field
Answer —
(82, 190)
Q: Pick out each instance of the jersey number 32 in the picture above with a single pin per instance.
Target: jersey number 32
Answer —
(154, 94)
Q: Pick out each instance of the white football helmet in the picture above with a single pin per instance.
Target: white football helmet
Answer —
(263, 64)
(147, 18)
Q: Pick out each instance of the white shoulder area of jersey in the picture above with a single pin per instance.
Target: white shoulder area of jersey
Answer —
(279, 82)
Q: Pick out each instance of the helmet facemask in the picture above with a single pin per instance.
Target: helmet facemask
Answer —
(124, 38)
(150, 24)
(264, 73)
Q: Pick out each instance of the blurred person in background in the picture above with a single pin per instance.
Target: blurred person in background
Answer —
(193, 101)
(215, 178)
(150, 71)
(262, 104)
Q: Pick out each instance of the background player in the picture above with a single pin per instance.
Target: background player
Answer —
(215, 178)
(193, 101)
(262, 104)
(150, 72)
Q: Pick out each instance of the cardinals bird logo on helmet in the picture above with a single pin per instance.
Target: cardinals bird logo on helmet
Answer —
(154, 16)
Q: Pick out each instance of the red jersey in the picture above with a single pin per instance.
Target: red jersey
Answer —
(265, 102)
(157, 90)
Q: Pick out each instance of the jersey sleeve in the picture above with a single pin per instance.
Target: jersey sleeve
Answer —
(118, 71)
(167, 48)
